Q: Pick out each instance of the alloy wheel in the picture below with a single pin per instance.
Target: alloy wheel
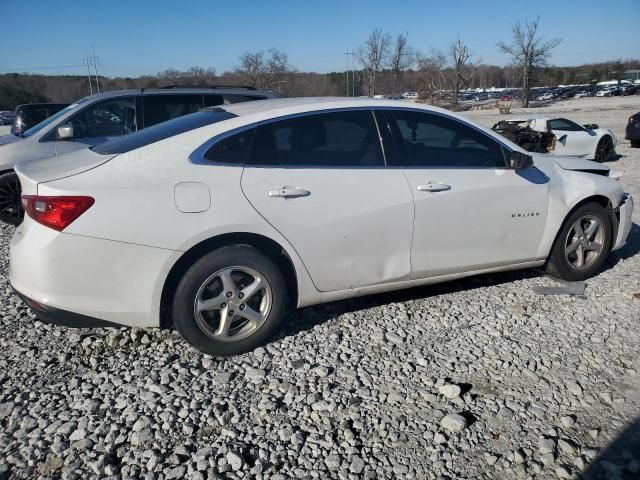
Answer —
(10, 206)
(604, 149)
(233, 303)
(584, 242)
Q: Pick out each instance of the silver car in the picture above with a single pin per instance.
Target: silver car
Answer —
(97, 118)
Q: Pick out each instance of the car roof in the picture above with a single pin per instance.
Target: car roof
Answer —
(282, 106)
(176, 90)
(40, 105)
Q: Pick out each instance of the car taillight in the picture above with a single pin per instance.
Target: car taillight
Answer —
(56, 212)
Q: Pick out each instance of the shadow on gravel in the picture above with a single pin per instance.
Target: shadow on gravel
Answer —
(614, 158)
(631, 248)
(620, 459)
(302, 320)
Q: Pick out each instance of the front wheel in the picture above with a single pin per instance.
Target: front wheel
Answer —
(635, 143)
(605, 149)
(11, 210)
(583, 244)
(229, 301)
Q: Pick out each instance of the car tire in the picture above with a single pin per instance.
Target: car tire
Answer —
(210, 310)
(11, 210)
(635, 143)
(605, 149)
(572, 242)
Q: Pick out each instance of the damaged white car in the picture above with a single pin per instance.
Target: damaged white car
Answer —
(560, 136)
(217, 222)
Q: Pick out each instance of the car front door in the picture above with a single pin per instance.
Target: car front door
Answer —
(572, 139)
(471, 211)
(321, 181)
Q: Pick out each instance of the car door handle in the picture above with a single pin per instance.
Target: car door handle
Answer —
(434, 187)
(289, 192)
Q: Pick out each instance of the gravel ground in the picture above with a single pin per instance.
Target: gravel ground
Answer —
(475, 379)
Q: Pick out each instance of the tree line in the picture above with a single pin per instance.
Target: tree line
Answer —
(386, 65)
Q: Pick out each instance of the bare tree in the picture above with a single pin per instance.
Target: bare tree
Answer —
(402, 57)
(431, 69)
(463, 66)
(529, 51)
(260, 71)
(372, 56)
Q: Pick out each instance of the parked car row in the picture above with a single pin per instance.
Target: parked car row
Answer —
(558, 93)
(218, 221)
(6, 117)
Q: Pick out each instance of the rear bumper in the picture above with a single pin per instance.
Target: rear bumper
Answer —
(625, 210)
(84, 281)
(56, 316)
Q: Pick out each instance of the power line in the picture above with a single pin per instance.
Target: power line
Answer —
(25, 69)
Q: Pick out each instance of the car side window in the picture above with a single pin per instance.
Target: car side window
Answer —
(232, 150)
(563, 124)
(110, 118)
(334, 139)
(160, 108)
(211, 100)
(431, 140)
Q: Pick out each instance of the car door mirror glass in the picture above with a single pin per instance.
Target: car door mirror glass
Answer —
(64, 132)
(520, 161)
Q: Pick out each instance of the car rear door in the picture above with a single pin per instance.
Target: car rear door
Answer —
(471, 212)
(320, 179)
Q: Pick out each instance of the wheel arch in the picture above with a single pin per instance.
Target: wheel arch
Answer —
(260, 242)
(602, 200)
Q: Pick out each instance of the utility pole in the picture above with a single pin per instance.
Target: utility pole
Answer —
(351, 53)
(85, 61)
(96, 61)
(89, 61)
(346, 54)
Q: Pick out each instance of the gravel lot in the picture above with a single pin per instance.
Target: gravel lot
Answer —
(480, 378)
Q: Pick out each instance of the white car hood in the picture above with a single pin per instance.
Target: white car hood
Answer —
(579, 165)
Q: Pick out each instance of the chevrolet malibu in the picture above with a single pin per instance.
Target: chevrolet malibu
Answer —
(217, 222)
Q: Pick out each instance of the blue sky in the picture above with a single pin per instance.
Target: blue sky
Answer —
(144, 37)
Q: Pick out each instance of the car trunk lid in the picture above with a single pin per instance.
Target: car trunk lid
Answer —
(32, 173)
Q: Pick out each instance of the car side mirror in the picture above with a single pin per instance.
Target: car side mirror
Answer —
(591, 126)
(520, 161)
(64, 132)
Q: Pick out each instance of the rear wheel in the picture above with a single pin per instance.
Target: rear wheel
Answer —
(635, 143)
(11, 210)
(230, 301)
(605, 149)
(583, 244)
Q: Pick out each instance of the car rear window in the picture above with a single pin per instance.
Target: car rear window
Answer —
(162, 131)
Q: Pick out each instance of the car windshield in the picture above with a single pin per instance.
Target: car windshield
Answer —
(161, 131)
(36, 128)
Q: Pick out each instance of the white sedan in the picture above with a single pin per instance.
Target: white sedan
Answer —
(216, 222)
(571, 139)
